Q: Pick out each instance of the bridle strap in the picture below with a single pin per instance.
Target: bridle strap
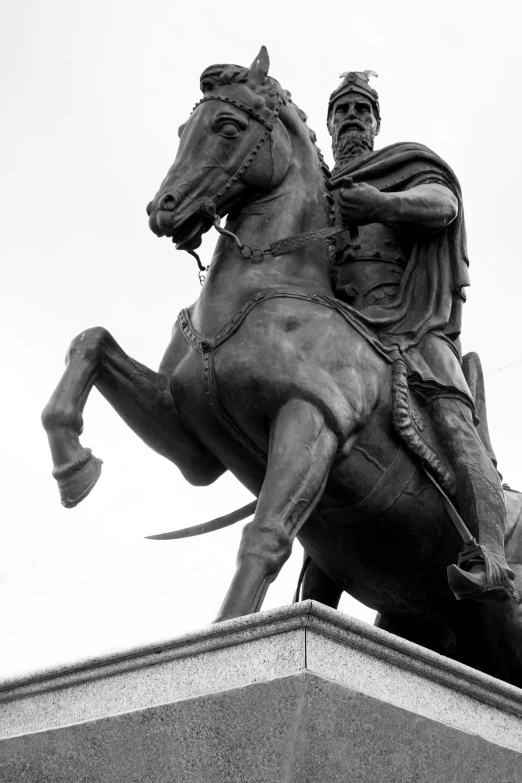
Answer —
(267, 123)
(209, 205)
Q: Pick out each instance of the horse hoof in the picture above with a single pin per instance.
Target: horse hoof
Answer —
(77, 479)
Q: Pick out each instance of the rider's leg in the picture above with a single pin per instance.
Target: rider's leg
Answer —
(474, 376)
(302, 448)
(141, 397)
(480, 499)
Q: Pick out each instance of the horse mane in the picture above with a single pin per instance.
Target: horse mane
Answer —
(216, 75)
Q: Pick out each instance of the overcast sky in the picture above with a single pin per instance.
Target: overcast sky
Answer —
(92, 94)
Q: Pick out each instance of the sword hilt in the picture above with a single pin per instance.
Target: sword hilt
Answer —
(354, 236)
(352, 228)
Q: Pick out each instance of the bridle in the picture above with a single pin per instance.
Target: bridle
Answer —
(267, 123)
(209, 205)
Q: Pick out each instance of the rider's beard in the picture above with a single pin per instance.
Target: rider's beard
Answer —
(351, 143)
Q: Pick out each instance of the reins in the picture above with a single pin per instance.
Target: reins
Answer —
(209, 206)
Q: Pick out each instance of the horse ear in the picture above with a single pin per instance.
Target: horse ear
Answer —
(259, 69)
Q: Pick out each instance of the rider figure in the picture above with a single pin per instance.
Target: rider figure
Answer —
(405, 275)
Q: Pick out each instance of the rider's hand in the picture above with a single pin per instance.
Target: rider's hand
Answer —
(360, 203)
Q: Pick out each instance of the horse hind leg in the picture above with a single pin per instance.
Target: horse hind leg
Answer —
(489, 638)
(432, 632)
(302, 448)
(140, 396)
(317, 586)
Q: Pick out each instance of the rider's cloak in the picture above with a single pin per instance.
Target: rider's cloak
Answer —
(424, 319)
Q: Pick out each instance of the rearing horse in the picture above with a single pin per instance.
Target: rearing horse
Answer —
(267, 377)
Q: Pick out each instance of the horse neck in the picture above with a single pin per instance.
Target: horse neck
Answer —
(296, 206)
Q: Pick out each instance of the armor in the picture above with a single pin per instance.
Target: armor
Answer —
(371, 273)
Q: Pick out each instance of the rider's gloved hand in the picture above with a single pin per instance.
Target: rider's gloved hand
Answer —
(361, 203)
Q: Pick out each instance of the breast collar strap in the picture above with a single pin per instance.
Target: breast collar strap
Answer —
(206, 347)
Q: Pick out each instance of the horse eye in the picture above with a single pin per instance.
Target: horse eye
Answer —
(229, 130)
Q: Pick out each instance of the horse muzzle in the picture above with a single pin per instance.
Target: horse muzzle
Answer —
(185, 227)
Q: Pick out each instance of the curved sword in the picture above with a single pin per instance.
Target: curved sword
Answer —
(208, 527)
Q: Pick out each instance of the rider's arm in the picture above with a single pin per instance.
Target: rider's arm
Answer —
(427, 205)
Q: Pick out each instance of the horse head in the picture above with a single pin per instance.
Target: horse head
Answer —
(232, 148)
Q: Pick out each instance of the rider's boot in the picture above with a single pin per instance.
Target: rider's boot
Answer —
(482, 573)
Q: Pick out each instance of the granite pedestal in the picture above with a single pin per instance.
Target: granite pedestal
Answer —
(300, 694)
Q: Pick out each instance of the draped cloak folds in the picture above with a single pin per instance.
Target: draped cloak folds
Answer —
(424, 320)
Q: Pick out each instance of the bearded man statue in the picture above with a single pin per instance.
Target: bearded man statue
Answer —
(405, 278)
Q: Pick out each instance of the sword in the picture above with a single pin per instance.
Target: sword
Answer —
(348, 183)
(208, 527)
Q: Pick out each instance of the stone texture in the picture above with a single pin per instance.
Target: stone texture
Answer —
(418, 691)
(301, 728)
(302, 694)
(235, 653)
(240, 734)
(348, 736)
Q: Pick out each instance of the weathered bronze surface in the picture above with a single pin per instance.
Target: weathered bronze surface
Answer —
(332, 410)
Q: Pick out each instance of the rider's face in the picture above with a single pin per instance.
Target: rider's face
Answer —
(353, 122)
(354, 112)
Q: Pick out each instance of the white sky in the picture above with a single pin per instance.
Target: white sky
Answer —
(92, 95)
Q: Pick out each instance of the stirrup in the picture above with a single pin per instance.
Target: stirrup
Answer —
(494, 583)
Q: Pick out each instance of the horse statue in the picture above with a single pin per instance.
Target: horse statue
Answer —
(268, 376)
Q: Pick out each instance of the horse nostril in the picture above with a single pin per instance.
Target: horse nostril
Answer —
(168, 203)
(149, 208)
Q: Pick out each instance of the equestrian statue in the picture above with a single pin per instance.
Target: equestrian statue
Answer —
(321, 365)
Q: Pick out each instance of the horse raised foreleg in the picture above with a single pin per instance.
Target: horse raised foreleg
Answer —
(302, 448)
(140, 396)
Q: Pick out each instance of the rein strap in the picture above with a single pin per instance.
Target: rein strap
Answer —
(280, 246)
(286, 245)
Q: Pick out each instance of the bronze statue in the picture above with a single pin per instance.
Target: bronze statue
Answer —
(271, 376)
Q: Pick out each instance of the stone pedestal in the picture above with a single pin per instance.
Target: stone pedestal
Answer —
(300, 694)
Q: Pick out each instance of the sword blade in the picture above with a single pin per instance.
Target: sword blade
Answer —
(461, 527)
(208, 527)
